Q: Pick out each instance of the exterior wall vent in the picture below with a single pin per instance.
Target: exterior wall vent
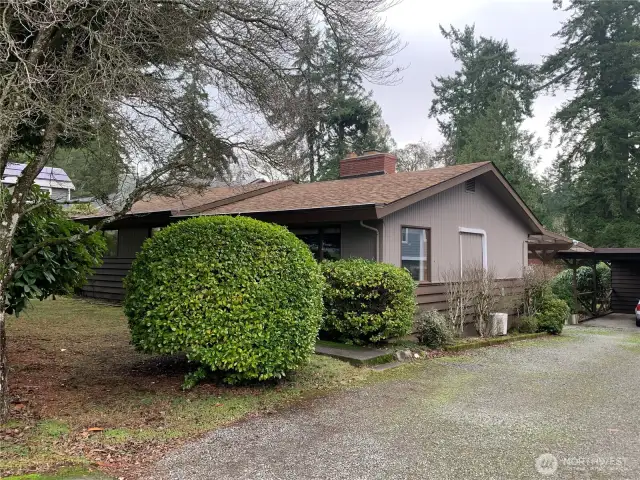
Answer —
(470, 185)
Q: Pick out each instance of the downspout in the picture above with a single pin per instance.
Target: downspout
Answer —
(368, 227)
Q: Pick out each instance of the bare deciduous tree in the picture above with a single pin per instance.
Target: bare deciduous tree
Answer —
(145, 77)
(484, 295)
(458, 298)
(417, 156)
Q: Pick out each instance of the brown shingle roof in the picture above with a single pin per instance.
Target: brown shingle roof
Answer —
(191, 199)
(195, 199)
(378, 190)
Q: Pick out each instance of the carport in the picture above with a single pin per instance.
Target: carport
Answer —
(625, 278)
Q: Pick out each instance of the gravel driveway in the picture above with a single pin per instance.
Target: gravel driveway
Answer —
(489, 414)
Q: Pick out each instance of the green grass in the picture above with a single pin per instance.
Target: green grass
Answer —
(470, 343)
(52, 428)
(63, 474)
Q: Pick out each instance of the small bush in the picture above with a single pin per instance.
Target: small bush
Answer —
(552, 314)
(367, 302)
(432, 329)
(236, 295)
(536, 280)
(528, 325)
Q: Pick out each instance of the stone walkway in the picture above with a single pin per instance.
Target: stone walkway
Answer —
(566, 407)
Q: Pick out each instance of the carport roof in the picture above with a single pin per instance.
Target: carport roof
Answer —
(603, 254)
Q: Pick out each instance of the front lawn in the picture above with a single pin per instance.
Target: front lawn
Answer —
(83, 398)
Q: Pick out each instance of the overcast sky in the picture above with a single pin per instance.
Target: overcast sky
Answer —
(526, 24)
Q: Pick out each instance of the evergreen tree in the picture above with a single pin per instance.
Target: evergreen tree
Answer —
(354, 120)
(599, 59)
(331, 114)
(481, 107)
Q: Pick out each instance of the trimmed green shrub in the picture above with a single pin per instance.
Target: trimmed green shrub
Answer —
(528, 325)
(236, 295)
(366, 301)
(552, 314)
(562, 284)
(432, 329)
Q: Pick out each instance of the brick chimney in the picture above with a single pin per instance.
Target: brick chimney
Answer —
(367, 164)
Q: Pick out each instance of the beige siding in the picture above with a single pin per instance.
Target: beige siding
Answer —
(358, 241)
(451, 210)
(59, 194)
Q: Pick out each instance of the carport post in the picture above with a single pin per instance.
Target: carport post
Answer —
(595, 288)
(574, 268)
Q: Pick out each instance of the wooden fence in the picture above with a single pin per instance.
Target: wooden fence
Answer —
(434, 296)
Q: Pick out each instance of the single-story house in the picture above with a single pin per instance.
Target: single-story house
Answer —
(51, 179)
(431, 222)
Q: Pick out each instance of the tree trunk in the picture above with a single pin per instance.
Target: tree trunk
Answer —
(4, 367)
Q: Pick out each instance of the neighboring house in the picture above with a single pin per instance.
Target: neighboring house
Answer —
(53, 180)
(432, 222)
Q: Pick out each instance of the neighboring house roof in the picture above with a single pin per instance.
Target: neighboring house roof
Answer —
(50, 177)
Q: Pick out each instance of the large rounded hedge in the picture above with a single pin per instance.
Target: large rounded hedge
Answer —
(236, 295)
(367, 302)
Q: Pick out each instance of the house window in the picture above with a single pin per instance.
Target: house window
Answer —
(414, 251)
(111, 236)
(323, 242)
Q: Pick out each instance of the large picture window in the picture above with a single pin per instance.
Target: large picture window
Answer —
(415, 252)
(324, 242)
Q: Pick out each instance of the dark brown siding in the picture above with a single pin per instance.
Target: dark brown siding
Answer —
(625, 286)
(106, 282)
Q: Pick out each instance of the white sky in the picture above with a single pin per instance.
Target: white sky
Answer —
(526, 24)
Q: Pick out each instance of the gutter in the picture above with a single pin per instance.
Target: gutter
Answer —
(368, 227)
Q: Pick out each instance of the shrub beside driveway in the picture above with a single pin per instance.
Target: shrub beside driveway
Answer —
(74, 370)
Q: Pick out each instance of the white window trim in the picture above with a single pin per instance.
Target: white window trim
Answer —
(423, 253)
(476, 231)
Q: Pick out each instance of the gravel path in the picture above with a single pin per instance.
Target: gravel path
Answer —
(488, 414)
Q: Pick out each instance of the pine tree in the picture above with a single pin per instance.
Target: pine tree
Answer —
(599, 60)
(331, 114)
(481, 107)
